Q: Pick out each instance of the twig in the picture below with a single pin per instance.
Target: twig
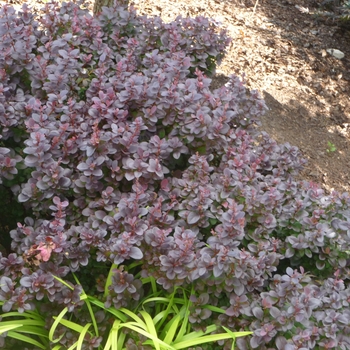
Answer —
(256, 4)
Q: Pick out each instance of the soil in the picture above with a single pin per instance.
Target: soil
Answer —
(280, 46)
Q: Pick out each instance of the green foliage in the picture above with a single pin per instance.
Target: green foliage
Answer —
(27, 327)
(331, 147)
(160, 321)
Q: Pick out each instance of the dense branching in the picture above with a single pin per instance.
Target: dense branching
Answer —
(113, 140)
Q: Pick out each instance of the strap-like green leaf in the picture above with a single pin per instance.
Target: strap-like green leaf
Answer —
(133, 316)
(207, 339)
(236, 334)
(114, 335)
(201, 340)
(111, 310)
(6, 328)
(24, 338)
(35, 330)
(214, 309)
(183, 328)
(150, 326)
(25, 315)
(92, 315)
(135, 326)
(82, 336)
(109, 280)
(173, 326)
(55, 324)
(63, 282)
(72, 325)
(197, 334)
(73, 346)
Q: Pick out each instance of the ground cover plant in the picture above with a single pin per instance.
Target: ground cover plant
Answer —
(337, 12)
(130, 168)
(160, 321)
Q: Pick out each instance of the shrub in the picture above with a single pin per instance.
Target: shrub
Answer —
(132, 161)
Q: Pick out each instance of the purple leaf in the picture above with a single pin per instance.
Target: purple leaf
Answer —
(193, 217)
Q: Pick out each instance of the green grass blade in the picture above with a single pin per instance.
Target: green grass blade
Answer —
(12, 314)
(33, 315)
(114, 337)
(112, 310)
(108, 342)
(159, 317)
(109, 280)
(121, 340)
(34, 330)
(6, 328)
(76, 278)
(82, 336)
(63, 282)
(180, 313)
(201, 340)
(55, 324)
(24, 338)
(183, 328)
(26, 315)
(92, 315)
(186, 312)
(208, 339)
(173, 326)
(214, 309)
(150, 326)
(24, 322)
(72, 325)
(236, 334)
(114, 342)
(154, 285)
(156, 299)
(135, 326)
(195, 335)
(168, 310)
(73, 346)
(133, 316)
(133, 265)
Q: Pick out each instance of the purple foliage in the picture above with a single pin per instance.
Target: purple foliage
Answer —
(131, 158)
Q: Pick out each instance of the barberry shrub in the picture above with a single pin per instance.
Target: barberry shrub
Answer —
(127, 161)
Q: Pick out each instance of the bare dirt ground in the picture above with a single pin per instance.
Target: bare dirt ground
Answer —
(280, 46)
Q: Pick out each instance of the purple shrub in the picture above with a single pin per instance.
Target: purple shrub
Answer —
(112, 137)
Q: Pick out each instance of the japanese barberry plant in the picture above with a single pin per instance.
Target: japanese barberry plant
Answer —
(128, 166)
